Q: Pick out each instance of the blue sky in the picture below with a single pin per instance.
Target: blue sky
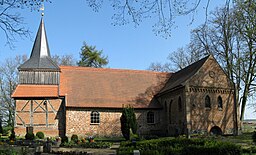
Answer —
(70, 23)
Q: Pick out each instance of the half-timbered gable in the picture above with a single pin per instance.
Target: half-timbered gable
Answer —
(38, 104)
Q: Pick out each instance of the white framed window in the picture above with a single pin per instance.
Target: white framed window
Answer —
(95, 117)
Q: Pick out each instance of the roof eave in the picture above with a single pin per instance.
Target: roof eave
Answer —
(170, 90)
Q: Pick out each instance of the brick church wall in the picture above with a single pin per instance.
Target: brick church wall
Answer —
(38, 120)
(213, 82)
(174, 114)
(203, 119)
(194, 117)
(78, 122)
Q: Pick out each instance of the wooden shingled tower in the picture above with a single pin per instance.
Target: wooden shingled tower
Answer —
(39, 69)
(37, 94)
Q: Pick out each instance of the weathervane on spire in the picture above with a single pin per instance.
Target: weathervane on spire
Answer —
(42, 8)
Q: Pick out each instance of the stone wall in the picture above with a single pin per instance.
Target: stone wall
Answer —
(211, 81)
(78, 122)
(46, 115)
(174, 114)
(203, 119)
(193, 117)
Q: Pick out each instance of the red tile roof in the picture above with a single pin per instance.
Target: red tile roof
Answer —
(112, 88)
(36, 91)
(180, 77)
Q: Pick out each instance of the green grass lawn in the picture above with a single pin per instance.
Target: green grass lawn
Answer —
(244, 139)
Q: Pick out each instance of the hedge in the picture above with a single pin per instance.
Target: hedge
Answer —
(180, 146)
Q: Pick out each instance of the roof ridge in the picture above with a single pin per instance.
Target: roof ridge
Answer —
(181, 76)
(112, 69)
(193, 64)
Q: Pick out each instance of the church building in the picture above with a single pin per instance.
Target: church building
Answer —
(66, 100)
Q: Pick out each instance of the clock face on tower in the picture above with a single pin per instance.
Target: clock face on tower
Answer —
(212, 74)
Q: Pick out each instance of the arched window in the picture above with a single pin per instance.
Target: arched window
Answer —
(179, 104)
(170, 112)
(150, 117)
(207, 102)
(219, 102)
(95, 117)
(165, 106)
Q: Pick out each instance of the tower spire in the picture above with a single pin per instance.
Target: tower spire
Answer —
(40, 58)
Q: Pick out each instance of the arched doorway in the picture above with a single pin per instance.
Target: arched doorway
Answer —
(216, 130)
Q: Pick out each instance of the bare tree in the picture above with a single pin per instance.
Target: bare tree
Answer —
(64, 60)
(162, 12)
(230, 37)
(11, 22)
(245, 25)
(8, 82)
(158, 67)
(180, 58)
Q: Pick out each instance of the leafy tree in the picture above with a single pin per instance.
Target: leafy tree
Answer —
(125, 128)
(133, 121)
(91, 57)
(128, 122)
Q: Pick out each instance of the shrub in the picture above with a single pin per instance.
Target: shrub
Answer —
(1, 128)
(180, 146)
(7, 130)
(8, 151)
(135, 137)
(99, 145)
(148, 137)
(12, 136)
(30, 136)
(40, 135)
(249, 150)
(74, 138)
(64, 139)
(254, 136)
(128, 122)
(69, 144)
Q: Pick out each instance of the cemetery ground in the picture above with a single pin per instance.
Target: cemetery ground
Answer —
(242, 144)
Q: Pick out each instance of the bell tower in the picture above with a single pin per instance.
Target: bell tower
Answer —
(39, 69)
(38, 104)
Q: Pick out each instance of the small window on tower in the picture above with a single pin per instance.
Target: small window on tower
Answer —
(207, 102)
(220, 103)
(165, 106)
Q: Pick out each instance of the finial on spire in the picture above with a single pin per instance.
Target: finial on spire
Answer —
(42, 8)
